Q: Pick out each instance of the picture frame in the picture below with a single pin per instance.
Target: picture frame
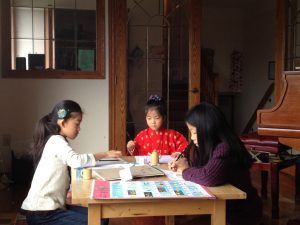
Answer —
(271, 70)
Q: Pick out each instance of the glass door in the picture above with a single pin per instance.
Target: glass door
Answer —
(158, 60)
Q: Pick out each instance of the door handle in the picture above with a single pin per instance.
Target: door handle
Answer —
(195, 90)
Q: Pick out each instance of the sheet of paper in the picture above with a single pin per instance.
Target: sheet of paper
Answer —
(173, 175)
(146, 159)
(125, 174)
(165, 158)
(110, 161)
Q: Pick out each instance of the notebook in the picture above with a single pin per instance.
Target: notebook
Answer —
(137, 171)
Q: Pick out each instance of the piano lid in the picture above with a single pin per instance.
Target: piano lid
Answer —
(283, 120)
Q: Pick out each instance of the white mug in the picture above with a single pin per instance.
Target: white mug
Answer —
(86, 173)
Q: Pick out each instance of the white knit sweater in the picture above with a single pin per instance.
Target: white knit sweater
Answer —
(51, 179)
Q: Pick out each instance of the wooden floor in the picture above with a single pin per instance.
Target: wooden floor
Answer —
(12, 196)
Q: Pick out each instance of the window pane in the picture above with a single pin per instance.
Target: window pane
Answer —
(23, 48)
(27, 3)
(64, 24)
(38, 24)
(65, 55)
(86, 24)
(65, 4)
(43, 3)
(38, 47)
(87, 4)
(23, 21)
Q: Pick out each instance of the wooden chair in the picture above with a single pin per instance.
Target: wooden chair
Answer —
(20, 220)
(270, 157)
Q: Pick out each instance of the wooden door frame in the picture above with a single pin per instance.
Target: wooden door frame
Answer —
(194, 51)
(118, 67)
(279, 47)
(117, 73)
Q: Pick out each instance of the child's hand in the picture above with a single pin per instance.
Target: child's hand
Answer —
(130, 147)
(179, 165)
(108, 154)
(113, 154)
(175, 154)
(172, 165)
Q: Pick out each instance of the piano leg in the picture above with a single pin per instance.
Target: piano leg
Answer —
(274, 170)
(264, 184)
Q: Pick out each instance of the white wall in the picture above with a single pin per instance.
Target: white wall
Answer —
(24, 101)
(259, 49)
(250, 30)
(222, 31)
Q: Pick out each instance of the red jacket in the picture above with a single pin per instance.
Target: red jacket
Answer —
(165, 141)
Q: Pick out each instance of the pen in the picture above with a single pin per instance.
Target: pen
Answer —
(184, 151)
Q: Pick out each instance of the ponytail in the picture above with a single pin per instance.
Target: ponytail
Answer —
(43, 130)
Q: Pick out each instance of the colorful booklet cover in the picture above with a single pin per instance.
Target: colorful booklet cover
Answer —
(148, 189)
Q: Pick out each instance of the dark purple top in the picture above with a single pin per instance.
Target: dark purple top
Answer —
(221, 169)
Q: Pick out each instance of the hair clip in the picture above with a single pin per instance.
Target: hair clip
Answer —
(61, 114)
(155, 98)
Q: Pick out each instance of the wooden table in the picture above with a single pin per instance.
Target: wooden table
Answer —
(169, 208)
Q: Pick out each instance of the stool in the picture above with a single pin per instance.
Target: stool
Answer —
(12, 219)
(270, 157)
(20, 220)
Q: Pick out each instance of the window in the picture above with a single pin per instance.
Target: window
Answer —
(53, 38)
(292, 36)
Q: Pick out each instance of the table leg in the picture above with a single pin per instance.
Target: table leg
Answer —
(218, 217)
(94, 214)
(169, 220)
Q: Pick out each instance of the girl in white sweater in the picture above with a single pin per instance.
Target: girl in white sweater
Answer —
(52, 155)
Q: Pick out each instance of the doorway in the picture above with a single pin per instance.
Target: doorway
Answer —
(160, 43)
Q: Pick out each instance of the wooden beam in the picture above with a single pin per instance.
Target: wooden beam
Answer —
(117, 74)
(280, 47)
(194, 51)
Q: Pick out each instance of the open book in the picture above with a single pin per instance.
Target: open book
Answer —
(137, 171)
(148, 189)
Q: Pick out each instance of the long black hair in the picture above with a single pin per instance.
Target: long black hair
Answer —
(47, 126)
(212, 129)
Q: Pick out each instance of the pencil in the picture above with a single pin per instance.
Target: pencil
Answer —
(184, 151)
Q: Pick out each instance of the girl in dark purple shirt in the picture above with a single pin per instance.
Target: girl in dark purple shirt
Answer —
(218, 157)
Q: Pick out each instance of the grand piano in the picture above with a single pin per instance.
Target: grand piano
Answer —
(283, 121)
